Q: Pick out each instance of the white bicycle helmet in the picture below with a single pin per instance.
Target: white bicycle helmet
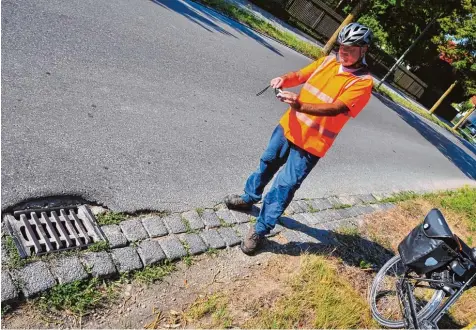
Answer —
(355, 34)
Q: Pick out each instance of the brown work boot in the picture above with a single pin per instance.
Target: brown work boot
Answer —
(235, 202)
(251, 241)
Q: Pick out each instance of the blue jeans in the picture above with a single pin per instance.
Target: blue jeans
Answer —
(297, 162)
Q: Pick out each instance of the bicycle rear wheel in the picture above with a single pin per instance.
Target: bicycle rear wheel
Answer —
(384, 302)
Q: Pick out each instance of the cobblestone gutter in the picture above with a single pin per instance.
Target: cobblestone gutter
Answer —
(149, 240)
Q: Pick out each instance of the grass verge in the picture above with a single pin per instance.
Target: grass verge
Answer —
(247, 18)
(320, 298)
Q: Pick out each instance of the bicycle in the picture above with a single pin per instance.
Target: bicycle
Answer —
(409, 291)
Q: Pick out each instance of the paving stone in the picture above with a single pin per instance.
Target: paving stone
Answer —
(133, 230)
(100, 264)
(4, 254)
(194, 242)
(114, 236)
(321, 204)
(67, 269)
(154, 226)
(367, 209)
(304, 205)
(349, 200)
(294, 205)
(210, 219)
(126, 259)
(387, 206)
(193, 220)
(339, 214)
(175, 224)
(9, 291)
(34, 278)
(367, 198)
(243, 228)
(290, 223)
(293, 237)
(212, 239)
(347, 213)
(334, 201)
(150, 252)
(381, 196)
(226, 216)
(313, 219)
(229, 236)
(172, 247)
(327, 215)
(276, 230)
(344, 223)
(306, 218)
(240, 217)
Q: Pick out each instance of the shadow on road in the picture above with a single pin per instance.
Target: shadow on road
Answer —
(464, 161)
(208, 20)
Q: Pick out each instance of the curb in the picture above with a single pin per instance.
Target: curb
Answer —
(152, 240)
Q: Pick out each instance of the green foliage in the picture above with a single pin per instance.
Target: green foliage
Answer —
(77, 297)
(111, 218)
(14, 259)
(458, 43)
(151, 274)
(99, 246)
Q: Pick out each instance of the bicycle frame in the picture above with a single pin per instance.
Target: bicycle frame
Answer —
(407, 299)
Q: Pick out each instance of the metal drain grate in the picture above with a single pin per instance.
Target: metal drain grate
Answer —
(55, 229)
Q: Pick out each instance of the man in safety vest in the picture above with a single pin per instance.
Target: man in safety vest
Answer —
(335, 90)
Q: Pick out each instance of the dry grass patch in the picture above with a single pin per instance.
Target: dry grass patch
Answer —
(320, 298)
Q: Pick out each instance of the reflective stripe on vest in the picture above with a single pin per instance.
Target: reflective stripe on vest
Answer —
(313, 124)
(316, 92)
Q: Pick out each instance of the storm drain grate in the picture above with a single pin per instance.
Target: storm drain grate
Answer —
(55, 229)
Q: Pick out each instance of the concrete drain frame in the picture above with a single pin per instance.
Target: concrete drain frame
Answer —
(46, 230)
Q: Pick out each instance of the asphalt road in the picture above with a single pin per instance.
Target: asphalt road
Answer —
(151, 105)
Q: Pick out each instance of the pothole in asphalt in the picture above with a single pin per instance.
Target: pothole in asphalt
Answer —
(47, 225)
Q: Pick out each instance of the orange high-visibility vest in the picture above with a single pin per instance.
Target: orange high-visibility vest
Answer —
(325, 83)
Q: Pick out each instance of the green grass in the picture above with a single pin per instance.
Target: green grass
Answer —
(15, 261)
(152, 274)
(199, 211)
(215, 306)
(211, 252)
(223, 223)
(262, 26)
(111, 218)
(400, 197)
(98, 246)
(461, 201)
(342, 206)
(77, 297)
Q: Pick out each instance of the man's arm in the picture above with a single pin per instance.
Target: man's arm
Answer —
(293, 79)
(320, 109)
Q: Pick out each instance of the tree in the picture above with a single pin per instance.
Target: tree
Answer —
(457, 44)
(396, 24)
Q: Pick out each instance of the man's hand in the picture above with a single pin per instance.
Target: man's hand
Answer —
(276, 82)
(289, 98)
